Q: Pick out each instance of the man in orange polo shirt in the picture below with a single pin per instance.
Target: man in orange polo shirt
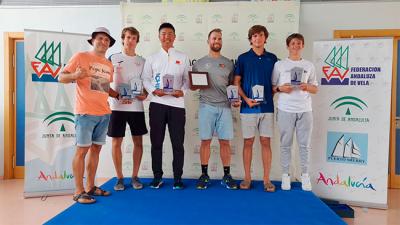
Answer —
(92, 73)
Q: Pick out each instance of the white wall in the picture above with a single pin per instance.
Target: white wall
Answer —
(317, 21)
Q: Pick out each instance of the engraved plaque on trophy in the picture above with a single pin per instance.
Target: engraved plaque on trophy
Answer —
(168, 83)
(136, 86)
(258, 93)
(232, 92)
(296, 75)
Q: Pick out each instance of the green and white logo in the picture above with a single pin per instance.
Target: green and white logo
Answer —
(64, 117)
(349, 102)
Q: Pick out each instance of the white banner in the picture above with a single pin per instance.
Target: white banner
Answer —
(49, 118)
(192, 22)
(352, 120)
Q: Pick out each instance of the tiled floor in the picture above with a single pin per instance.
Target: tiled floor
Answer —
(14, 209)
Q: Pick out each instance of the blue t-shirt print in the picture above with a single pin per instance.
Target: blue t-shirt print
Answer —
(256, 70)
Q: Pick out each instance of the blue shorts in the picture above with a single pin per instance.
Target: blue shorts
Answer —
(91, 129)
(215, 120)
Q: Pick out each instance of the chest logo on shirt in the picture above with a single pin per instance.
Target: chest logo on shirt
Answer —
(178, 62)
(222, 65)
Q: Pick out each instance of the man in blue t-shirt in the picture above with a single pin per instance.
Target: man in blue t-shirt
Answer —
(253, 75)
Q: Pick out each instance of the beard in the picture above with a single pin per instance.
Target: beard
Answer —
(216, 48)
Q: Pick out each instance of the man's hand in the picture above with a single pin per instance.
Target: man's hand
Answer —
(141, 97)
(286, 88)
(80, 73)
(304, 87)
(177, 93)
(159, 92)
(251, 102)
(236, 103)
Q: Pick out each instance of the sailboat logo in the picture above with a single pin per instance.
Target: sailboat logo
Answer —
(167, 84)
(134, 87)
(347, 147)
(48, 64)
(346, 150)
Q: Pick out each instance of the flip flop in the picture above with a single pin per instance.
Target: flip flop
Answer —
(96, 191)
(269, 187)
(83, 198)
(245, 185)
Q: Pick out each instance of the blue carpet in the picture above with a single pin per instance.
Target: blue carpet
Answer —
(215, 205)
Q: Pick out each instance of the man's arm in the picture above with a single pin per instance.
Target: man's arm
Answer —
(250, 102)
(66, 77)
(113, 93)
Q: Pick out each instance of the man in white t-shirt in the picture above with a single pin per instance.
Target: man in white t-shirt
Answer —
(165, 77)
(294, 79)
(128, 108)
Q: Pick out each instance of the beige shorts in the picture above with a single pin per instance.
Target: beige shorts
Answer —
(263, 122)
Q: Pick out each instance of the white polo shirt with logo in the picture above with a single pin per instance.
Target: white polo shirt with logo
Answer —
(163, 63)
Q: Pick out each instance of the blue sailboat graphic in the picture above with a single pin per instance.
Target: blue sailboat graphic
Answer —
(134, 87)
(294, 78)
(232, 95)
(167, 84)
(257, 95)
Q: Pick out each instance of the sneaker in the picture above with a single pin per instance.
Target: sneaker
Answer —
(229, 182)
(178, 184)
(119, 186)
(136, 184)
(285, 182)
(305, 182)
(156, 183)
(203, 181)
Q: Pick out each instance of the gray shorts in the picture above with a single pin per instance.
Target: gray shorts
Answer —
(263, 122)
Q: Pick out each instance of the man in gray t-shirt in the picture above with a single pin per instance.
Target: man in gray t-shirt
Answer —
(215, 116)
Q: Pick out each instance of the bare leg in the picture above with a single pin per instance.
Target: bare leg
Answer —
(91, 167)
(205, 151)
(266, 156)
(225, 152)
(78, 168)
(137, 154)
(247, 156)
(117, 155)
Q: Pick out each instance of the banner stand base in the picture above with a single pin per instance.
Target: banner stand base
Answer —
(45, 194)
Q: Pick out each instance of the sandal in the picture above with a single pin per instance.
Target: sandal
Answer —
(245, 185)
(96, 191)
(269, 187)
(83, 198)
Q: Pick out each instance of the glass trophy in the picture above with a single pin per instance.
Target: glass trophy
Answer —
(168, 83)
(296, 74)
(125, 94)
(258, 93)
(136, 87)
(232, 92)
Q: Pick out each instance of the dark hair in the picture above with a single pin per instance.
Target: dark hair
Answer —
(217, 30)
(132, 30)
(257, 29)
(166, 25)
(294, 36)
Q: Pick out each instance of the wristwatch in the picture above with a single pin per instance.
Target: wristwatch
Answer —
(277, 89)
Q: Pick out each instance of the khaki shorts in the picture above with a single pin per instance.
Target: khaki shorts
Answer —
(263, 122)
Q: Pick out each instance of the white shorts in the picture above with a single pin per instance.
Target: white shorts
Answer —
(263, 122)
